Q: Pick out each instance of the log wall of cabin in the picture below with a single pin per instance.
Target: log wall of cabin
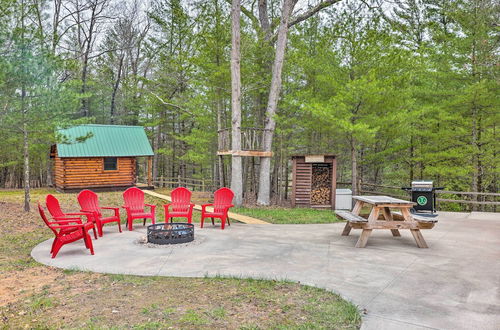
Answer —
(88, 172)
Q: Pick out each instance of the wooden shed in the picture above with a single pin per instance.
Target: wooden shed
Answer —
(99, 157)
(314, 181)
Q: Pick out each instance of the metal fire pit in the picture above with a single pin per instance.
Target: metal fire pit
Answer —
(170, 233)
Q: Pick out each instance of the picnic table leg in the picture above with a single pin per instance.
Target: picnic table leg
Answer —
(417, 235)
(363, 238)
(357, 208)
(388, 216)
(347, 229)
(419, 239)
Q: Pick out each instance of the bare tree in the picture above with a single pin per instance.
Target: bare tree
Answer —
(270, 124)
(286, 22)
(236, 161)
(87, 18)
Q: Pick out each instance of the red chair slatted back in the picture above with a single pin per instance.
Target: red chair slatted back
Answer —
(222, 199)
(89, 201)
(42, 214)
(181, 198)
(53, 206)
(134, 199)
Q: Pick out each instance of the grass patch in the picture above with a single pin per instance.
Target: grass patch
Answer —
(288, 215)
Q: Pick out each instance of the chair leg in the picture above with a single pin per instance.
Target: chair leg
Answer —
(222, 222)
(89, 243)
(99, 228)
(153, 219)
(144, 222)
(213, 221)
(57, 247)
(85, 240)
(228, 223)
(119, 225)
(202, 220)
(53, 244)
(95, 233)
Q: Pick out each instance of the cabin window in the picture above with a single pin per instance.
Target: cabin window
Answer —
(110, 163)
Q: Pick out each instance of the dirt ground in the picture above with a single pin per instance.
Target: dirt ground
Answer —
(36, 296)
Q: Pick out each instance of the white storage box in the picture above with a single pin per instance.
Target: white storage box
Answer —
(343, 199)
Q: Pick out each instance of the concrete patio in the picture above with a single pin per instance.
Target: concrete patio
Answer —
(455, 284)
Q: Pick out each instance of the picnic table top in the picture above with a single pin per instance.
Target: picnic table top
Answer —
(379, 200)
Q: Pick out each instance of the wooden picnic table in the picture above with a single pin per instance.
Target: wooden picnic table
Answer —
(395, 216)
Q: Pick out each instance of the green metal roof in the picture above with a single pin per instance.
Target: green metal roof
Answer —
(105, 141)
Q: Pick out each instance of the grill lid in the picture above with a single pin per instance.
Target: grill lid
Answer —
(422, 184)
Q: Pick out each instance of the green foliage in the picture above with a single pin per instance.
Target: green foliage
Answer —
(411, 91)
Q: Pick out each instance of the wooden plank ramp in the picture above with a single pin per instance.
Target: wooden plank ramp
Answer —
(235, 216)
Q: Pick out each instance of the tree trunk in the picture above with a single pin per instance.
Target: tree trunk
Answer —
(50, 168)
(24, 111)
(236, 161)
(476, 162)
(220, 108)
(156, 146)
(354, 169)
(265, 162)
(27, 196)
(83, 90)
(115, 89)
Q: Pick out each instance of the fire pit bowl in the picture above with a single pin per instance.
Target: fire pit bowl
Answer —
(170, 233)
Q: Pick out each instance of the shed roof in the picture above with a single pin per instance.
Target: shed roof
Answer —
(104, 141)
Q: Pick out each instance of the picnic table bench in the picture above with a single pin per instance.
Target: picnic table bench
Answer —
(400, 218)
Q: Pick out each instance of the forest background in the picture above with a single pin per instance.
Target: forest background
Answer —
(398, 90)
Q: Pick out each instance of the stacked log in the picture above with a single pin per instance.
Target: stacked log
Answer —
(321, 186)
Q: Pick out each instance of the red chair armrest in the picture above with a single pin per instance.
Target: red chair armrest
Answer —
(77, 213)
(90, 212)
(56, 225)
(63, 222)
(166, 206)
(69, 226)
(203, 207)
(116, 209)
(67, 219)
(151, 205)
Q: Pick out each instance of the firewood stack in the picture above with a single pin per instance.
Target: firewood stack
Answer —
(321, 186)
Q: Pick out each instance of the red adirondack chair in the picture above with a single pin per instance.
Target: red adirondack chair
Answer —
(134, 205)
(55, 211)
(181, 205)
(68, 230)
(89, 203)
(222, 203)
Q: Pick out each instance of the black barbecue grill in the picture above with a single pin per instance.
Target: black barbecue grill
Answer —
(423, 193)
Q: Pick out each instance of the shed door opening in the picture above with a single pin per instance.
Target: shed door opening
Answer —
(110, 164)
(321, 185)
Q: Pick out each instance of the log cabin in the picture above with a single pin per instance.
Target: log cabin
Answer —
(99, 157)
